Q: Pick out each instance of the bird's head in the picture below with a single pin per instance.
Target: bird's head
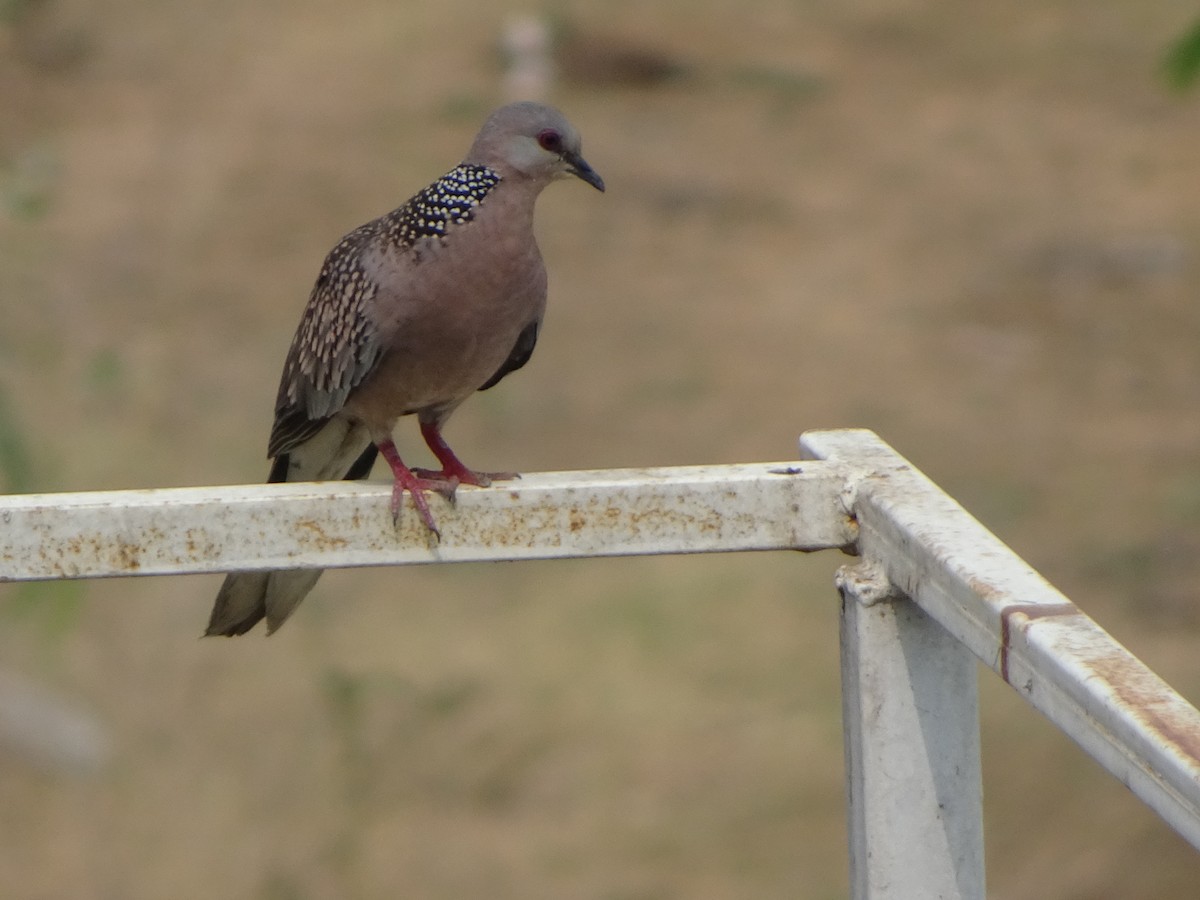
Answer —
(534, 140)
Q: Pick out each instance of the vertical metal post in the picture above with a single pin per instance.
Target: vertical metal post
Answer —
(911, 722)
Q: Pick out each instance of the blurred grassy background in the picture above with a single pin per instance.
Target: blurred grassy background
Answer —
(971, 228)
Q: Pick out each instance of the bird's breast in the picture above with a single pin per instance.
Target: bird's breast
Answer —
(449, 312)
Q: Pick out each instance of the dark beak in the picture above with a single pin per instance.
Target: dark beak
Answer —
(578, 167)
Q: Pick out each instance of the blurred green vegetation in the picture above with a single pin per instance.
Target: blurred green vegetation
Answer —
(16, 458)
(51, 608)
(28, 182)
(1182, 63)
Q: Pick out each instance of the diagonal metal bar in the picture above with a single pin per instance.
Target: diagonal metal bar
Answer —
(694, 509)
(1063, 663)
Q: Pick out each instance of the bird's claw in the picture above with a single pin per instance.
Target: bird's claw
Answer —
(439, 482)
(416, 489)
(449, 491)
(465, 476)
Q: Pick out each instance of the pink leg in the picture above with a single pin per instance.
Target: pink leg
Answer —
(406, 480)
(453, 469)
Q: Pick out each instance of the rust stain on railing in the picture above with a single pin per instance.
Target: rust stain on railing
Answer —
(1026, 613)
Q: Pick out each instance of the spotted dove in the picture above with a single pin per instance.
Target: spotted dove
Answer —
(411, 314)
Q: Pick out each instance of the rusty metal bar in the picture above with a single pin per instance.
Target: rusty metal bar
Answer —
(1064, 664)
(901, 705)
(696, 509)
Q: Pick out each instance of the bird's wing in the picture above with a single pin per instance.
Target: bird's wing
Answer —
(336, 346)
(520, 354)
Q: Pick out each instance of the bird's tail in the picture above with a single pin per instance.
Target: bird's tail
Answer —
(341, 449)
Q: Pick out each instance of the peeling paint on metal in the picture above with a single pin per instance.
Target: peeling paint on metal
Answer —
(256, 527)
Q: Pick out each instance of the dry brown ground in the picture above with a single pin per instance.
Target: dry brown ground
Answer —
(971, 228)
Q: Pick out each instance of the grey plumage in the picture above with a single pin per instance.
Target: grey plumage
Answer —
(411, 314)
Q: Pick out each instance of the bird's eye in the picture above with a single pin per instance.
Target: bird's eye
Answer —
(550, 140)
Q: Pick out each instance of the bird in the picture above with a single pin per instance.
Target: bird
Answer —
(411, 314)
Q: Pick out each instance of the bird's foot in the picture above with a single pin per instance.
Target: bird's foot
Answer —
(453, 469)
(416, 485)
(460, 474)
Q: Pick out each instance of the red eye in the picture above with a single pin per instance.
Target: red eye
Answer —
(550, 140)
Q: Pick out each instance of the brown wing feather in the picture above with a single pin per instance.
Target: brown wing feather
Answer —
(335, 347)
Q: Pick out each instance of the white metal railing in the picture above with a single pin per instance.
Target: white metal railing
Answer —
(933, 592)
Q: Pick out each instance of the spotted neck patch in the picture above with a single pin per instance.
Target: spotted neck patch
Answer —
(451, 200)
